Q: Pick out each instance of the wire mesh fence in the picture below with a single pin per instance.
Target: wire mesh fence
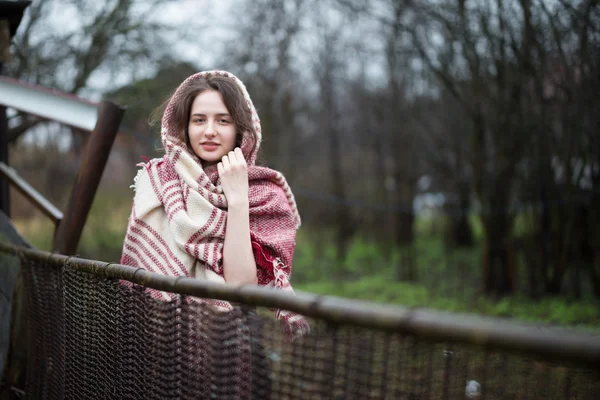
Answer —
(92, 336)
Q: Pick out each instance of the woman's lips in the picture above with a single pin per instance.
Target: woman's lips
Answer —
(210, 146)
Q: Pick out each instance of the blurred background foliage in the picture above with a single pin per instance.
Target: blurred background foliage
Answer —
(444, 153)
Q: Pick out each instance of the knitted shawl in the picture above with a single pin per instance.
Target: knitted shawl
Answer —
(178, 219)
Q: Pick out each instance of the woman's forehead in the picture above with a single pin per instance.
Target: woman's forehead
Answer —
(209, 101)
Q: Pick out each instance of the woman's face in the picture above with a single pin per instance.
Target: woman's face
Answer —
(211, 129)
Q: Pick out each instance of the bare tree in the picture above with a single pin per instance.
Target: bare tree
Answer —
(328, 68)
(264, 57)
(400, 134)
(564, 39)
(115, 37)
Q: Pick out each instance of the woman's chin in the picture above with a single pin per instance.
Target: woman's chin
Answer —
(208, 159)
(209, 163)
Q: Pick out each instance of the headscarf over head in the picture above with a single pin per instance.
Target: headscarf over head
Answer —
(171, 138)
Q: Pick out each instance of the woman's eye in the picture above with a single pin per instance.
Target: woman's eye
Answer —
(197, 120)
(225, 121)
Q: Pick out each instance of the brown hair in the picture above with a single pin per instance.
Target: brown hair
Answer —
(233, 98)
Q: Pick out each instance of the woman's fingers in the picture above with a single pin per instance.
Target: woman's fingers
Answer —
(225, 161)
(233, 172)
(239, 155)
(234, 157)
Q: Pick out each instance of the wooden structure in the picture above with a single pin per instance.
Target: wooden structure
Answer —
(102, 120)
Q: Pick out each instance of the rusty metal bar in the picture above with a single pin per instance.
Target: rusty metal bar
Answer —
(48, 104)
(87, 179)
(31, 194)
(490, 333)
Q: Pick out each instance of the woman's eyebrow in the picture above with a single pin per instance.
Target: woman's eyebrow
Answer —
(218, 114)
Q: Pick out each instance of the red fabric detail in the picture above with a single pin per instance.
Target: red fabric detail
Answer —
(262, 256)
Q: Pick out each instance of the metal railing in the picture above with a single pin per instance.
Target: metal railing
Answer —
(99, 317)
(39, 201)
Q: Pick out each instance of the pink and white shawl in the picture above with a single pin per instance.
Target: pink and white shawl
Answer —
(178, 219)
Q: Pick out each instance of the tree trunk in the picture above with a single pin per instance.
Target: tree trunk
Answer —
(595, 274)
(460, 233)
(405, 235)
(499, 272)
(344, 224)
(532, 262)
(562, 252)
(343, 218)
(404, 231)
(386, 219)
(404, 196)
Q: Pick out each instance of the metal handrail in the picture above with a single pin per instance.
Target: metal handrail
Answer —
(43, 204)
(492, 333)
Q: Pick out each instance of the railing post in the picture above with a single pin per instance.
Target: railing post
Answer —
(4, 193)
(86, 183)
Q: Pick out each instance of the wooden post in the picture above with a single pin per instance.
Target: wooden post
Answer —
(86, 183)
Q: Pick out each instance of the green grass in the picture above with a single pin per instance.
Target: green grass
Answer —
(554, 311)
(447, 280)
(372, 288)
(103, 233)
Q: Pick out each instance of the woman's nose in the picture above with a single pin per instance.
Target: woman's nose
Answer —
(210, 129)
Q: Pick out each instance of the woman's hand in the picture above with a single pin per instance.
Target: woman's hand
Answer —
(233, 172)
(239, 266)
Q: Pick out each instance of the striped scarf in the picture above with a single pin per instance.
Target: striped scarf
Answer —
(178, 219)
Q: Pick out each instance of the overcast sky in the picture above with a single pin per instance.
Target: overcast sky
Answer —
(210, 19)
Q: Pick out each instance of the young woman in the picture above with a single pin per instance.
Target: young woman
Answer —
(205, 210)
